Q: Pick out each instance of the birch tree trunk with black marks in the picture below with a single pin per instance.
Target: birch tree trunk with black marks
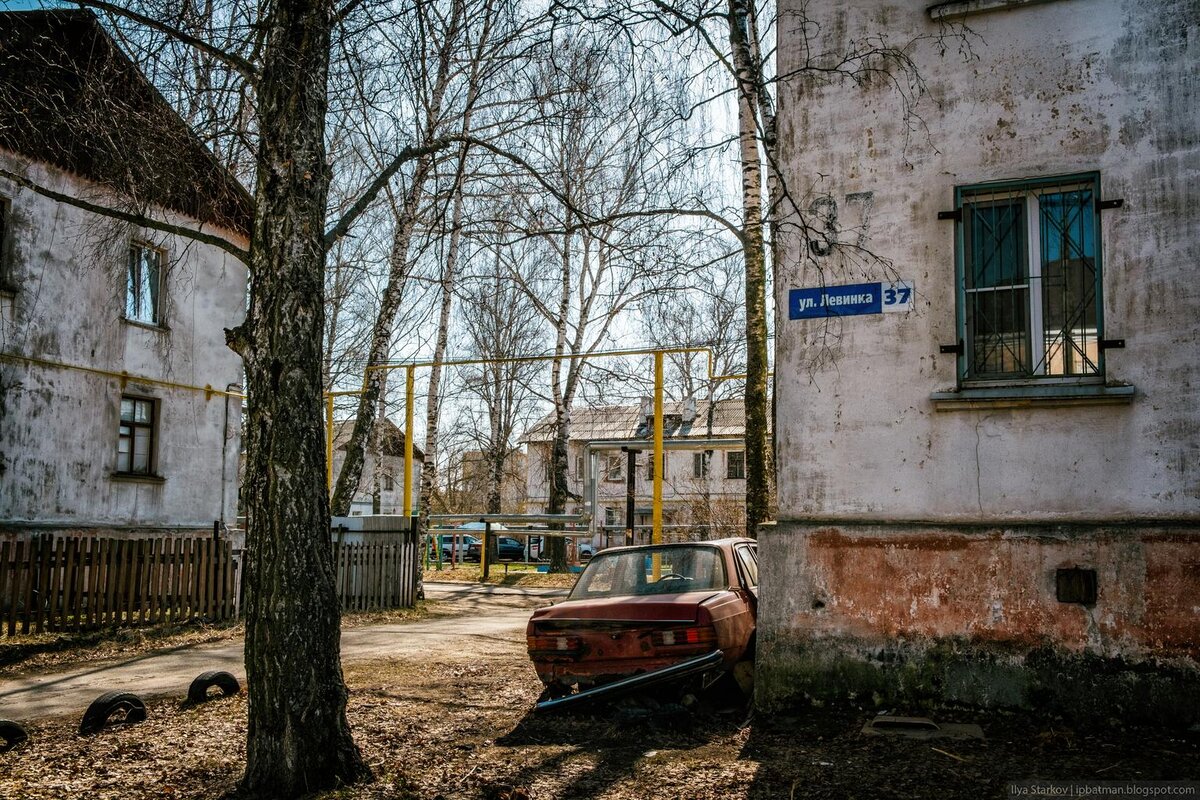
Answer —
(433, 398)
(563, 394)
(758, 481)
(298, 736)
(399, 267)
(350, 476)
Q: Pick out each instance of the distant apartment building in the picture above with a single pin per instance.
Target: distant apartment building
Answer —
(119, 399)
(704, 488)
(470, 482)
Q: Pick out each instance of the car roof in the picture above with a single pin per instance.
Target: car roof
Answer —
(719, 543)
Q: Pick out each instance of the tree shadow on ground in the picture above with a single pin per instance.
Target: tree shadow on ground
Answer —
(822, 753)
(608, 740)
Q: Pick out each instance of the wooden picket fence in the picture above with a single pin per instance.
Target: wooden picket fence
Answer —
(379, 572)
(81, 583)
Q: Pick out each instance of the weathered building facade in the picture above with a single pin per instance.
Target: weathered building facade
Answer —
(120, 406)
(382, 472)
(704, 488)
(992, 496)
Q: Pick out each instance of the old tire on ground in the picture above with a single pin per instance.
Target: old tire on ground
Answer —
(106, 705)
(198, 691)
(12, 734)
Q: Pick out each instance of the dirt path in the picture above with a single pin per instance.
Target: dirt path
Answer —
(466, 617)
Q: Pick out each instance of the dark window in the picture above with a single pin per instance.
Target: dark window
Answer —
(700, 464)
(6, 277)
(1030, 271)
(143, 284)
(650, 466)
(614, 468)
(388, 483)
(735, 464)
(135, 441)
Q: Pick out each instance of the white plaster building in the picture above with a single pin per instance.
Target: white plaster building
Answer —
(992, 496)
(704, 491)
(113, 360)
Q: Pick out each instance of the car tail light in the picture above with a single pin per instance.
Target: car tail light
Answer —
(552, 645)
(700, 639)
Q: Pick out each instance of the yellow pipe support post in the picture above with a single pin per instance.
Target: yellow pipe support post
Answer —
(408, 441)
(329, 444)
(656, 506)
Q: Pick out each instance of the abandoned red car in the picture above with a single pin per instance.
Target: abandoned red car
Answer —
(639, 616)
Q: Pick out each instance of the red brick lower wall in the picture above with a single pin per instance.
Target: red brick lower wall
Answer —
(894, 598)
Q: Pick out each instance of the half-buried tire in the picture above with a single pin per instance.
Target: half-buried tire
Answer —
(198, 691)
(11, 735)
(106, 706)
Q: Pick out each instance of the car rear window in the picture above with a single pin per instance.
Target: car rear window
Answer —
(631, 572)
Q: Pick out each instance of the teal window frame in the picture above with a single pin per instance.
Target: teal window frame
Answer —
(964, 197)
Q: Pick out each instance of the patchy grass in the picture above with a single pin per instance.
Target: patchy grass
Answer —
(453, 724)
(524, 578)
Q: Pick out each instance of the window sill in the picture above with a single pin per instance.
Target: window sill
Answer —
(1033, 396)
(149, 326)
(956, 9)
(136, 477)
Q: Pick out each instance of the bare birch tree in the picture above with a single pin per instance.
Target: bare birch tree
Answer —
(599, 147)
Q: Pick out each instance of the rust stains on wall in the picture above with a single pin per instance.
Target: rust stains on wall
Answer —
(999, 585)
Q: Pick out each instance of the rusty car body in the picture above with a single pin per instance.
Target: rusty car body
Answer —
(640, 614)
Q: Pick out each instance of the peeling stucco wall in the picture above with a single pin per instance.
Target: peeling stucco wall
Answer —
(913, 526)
(58, 435)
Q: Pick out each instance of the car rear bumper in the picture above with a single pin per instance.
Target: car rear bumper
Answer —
(673, 673)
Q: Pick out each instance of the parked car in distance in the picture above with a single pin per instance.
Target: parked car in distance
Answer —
(446, 541)
(468, 534)
(507, 548)
(639, 610)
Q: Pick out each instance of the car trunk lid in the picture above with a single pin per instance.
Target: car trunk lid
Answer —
(629, 611)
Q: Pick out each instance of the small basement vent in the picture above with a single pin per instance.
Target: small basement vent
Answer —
(1077, 585)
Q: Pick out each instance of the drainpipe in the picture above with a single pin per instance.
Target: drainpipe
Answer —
(225, 450)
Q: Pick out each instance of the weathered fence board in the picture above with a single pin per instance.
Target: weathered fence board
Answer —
(77, 583)
(377, 572)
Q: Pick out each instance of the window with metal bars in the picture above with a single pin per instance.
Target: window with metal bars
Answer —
(1029, 281)
(735, 464)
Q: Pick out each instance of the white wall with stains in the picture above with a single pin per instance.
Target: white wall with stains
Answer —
(59, 427)
(922, 529)
(1030, 90)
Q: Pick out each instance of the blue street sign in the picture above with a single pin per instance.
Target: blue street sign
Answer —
(847, 301)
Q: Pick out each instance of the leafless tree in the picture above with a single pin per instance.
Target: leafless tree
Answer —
(599, 147)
